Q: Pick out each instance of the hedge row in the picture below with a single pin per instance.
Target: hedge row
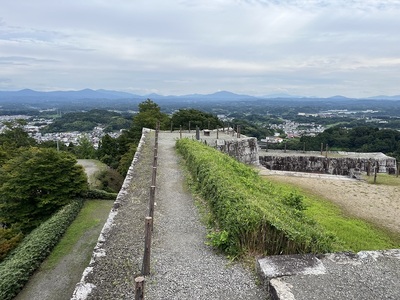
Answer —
(99, 195)
(16, 269)
(251, 214)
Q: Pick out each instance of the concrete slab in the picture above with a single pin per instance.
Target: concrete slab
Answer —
(367, 275)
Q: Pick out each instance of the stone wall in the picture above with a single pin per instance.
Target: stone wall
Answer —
(323, 165)
(85, 286)
(244, 150)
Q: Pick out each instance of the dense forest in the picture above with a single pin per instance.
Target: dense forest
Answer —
(86, 121)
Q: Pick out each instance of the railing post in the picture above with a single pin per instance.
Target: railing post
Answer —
(154, 175)
(139, 288)
(197, 133)
(151, 202)
(147, 246)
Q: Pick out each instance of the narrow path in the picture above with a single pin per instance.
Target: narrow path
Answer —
(58, 281)
(91, 167)
(183, 266)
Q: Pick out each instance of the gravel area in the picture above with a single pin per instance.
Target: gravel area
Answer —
(182, 265)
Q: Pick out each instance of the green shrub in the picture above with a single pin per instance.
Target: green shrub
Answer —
(9, 239)
(250, 213)
(99, 194)
(294, 200)
(16, 269)
(110, 180)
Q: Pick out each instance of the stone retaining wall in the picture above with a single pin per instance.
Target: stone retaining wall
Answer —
(244, 150)
(323, 165)
(85, 287)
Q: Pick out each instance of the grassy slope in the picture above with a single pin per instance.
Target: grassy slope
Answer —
(59, 273)
(355, 234)
(90, 218)
(383, 179)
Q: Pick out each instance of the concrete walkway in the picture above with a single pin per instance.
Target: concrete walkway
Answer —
(367, 275)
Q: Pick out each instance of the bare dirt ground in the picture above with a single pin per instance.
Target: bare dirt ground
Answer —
(91, 167)
(379, 204)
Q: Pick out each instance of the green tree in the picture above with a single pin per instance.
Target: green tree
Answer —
(37, 182)
(15, 137)
(118, 153)
(148, 116)
(9, 239)
(13, 140)
(108, 151)
(85, 148)
(251, 129)
(126, 160)
(196, 118)
(54, 145)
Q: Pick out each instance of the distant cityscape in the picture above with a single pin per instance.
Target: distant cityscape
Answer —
(66, 138)
(287, 129)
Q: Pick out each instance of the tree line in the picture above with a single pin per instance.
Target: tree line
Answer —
(86, 121)
(118, 152)
(36, 180)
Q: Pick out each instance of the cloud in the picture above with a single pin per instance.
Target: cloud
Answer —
(201, 46)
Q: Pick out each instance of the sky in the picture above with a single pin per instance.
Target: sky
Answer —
(257, 47)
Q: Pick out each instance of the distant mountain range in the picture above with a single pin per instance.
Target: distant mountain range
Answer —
(109, 94)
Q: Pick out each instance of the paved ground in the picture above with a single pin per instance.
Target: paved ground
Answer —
(367, 275)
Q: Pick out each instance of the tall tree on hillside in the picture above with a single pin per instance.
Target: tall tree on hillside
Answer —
(37, 182)
(13, 139)
(108, 151)
(149, 114)
(85, 148)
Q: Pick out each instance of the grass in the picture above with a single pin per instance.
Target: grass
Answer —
(354, 234)
(91, 216)
(384, 179)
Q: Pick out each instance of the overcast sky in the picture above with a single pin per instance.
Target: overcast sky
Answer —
(257, 47)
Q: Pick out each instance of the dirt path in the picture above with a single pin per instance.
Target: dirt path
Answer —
(379, 204)
(91, 166)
